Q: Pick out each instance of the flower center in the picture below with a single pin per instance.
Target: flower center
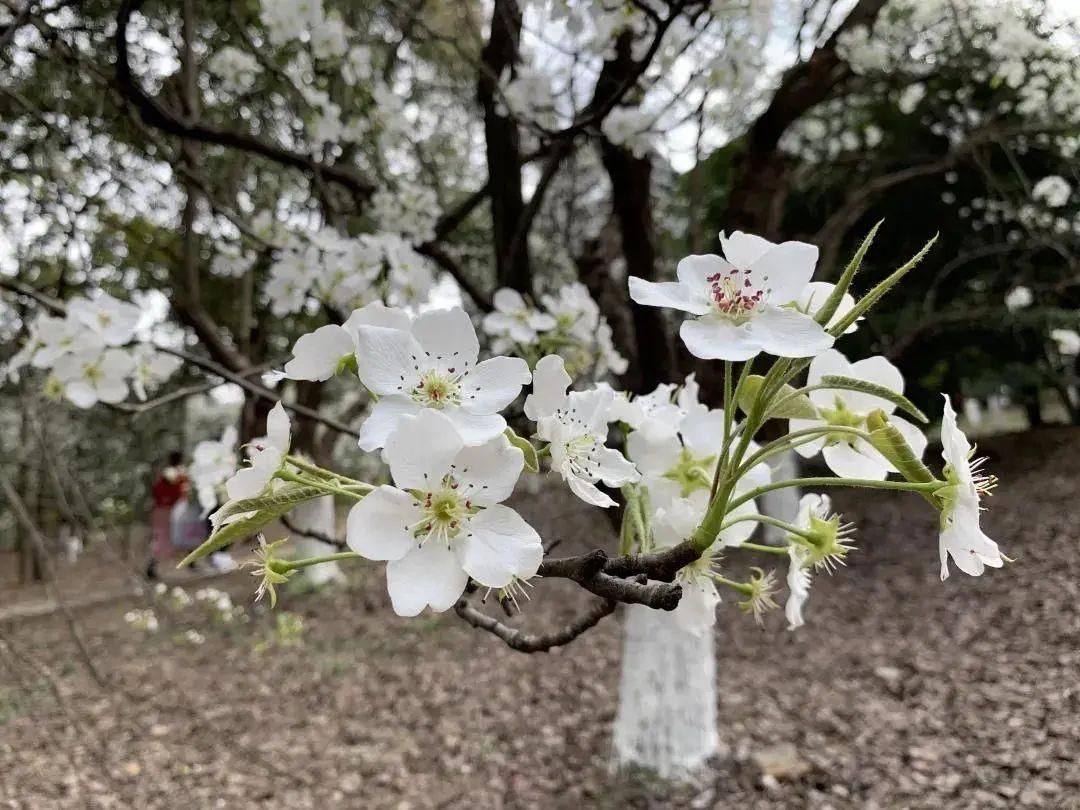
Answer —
(445, 512)
(841, 416)
(734, 294)
(92, 373)
(691, 474)
(579, 453)
(437, 389)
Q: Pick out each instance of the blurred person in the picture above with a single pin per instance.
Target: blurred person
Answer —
(169, 488)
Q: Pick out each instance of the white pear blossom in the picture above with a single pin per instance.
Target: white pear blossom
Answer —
(1019, 298)
(212, 463)
(1054, 191)
(961, 536)
(798, 582)
(682, 464)
(152, 367)
(236, 69)
(514, 321)
(1067, 340)
(54, 337)
(744, 303)
(443, 520)
(432, 364)
(111, 318)
(696, 611)
(266, 458)
(829, 549)
(91, 376)
(847, 455)
(575, 424)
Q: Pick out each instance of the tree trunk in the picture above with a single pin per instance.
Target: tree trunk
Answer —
(666, 720)
(503, 148)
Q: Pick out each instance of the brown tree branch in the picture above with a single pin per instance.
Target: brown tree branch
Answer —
(535, 642)
(155, 115)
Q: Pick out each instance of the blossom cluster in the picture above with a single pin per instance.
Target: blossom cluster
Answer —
(568, 322)
(689, 474)
(347, 272)
(86, 353)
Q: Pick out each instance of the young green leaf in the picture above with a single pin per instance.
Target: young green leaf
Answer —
(832, 382)
(786, 404)
(239, 519)
(828, 309)
(877, 292)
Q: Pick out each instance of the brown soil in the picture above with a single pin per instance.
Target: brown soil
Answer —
(901, 691)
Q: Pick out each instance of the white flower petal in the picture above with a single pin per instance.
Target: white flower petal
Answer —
(743, 249)
(718, 339)
(277, 428)
(377, 526)
(671, 294)
(386, 360)
(703, 432)
(316, 356)
(848, 462)
(613, 468)
(501, 546)
(788, 268)
(377, 314)
(652, 452)
(694, 272)
(421, 449)
(588, 492)
(489, 472)
(549, 384)
(494, 384)
(383, 420)
(447, 335)
(508, 300)
(427, 575)
(475, 428)
(788, 333)
(876, 370)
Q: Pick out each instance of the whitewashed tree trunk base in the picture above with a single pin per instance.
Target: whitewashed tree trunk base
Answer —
(317, 515)
(666, 720)
(781, 503)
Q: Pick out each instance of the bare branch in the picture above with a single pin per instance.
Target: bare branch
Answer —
(535, 642)
(157, 116)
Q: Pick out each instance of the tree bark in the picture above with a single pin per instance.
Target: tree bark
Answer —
(503, 149)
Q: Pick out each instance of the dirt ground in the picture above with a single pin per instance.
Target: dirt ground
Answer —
(901, 691)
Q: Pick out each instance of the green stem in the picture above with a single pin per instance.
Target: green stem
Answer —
(742, 587)
(829, 481)
(285, 566)
(766, 549)
(785, 443)
(308, 467)
(780, 524)
(330, 489)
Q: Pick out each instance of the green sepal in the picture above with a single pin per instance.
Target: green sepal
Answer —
(532, 461)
